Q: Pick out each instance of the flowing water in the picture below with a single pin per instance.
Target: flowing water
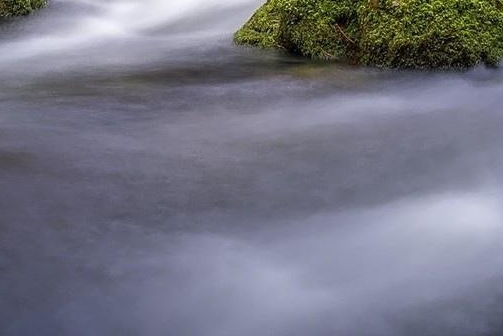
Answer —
(157, 180)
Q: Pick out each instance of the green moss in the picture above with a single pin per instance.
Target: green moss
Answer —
(384, 33)
(262, 30)
(9, 8)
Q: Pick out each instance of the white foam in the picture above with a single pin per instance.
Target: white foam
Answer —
(113, 20)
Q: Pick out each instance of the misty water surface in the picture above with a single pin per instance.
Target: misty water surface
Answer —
(157, 180)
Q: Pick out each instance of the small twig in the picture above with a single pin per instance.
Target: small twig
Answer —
(327, 53)
(341, 31)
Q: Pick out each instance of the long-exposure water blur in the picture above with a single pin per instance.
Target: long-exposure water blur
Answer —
(156, 179)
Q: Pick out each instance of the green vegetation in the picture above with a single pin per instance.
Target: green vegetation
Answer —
(10, 8)
(384, 33)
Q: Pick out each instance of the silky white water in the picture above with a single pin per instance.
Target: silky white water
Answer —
(88, 26)
(158, 180)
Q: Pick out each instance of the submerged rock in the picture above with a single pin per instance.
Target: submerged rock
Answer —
(9, 8)
(384, 33)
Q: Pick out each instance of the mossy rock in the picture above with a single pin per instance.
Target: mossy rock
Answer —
(441, 34)
(9, 8)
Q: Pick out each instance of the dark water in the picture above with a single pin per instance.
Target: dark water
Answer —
(157, 180)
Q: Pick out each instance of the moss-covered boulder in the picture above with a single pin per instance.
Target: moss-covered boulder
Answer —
(383, 33)
(9, 8)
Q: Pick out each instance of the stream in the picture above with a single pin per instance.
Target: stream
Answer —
(156, 179)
